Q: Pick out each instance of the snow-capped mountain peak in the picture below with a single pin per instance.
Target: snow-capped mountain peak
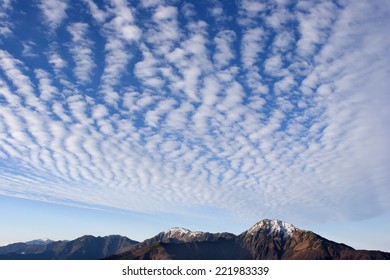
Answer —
(177, 230)
(182, 235)
(273, 227)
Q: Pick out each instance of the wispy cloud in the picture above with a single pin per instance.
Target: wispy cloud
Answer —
(282, 112)
(5, 23)
(46, 89)
(54, 12)
(28, 49)
(55, 60)
(224, 52)
(252, 46)
(315, 21)
(120, 32)
(98, 15)
(81, 50)
(22, 83)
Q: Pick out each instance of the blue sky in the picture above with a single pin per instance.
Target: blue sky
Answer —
(131, 117)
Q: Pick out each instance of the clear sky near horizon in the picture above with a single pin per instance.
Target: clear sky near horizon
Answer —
(130, 117)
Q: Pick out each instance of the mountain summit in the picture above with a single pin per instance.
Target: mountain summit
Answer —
(183, 235)
(267, 239)
(272, 227)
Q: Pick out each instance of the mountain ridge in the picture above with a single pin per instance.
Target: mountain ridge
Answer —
(43, 241)
(266, 239)
(84, 247)
(182, 235)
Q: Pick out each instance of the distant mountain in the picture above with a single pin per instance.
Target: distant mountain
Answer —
(182, 235)
(43, 241)
(84, 248)
(267, 239)
(273, 239)
(153, 248)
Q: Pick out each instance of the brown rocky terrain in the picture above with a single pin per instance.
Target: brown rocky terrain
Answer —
(266, 240)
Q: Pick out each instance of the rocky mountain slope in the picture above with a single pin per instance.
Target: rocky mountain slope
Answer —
(182, 235)
(272, 239)
(86, 247)
(267, 240)
(43, 241)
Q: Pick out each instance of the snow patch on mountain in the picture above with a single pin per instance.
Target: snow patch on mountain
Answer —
(176, 230)
(181, 232)
(273, 227)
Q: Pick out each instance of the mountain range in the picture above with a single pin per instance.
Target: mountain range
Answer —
(266, 240)
(83, 248)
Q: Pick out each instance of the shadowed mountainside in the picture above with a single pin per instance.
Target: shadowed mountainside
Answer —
(84, 248)
(266, 240)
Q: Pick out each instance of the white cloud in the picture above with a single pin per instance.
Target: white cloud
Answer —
(46, 88)
(211, 90)
(178, 118)
(5, 30)
(119, 32)
(54, 12)
(56, 61)
(273, 65)
(28, 49)
(99, 15)
(164, 31)
(188, 10)
(283, 41)
(12, 99)
(153, 117)
(58, 109)
(165, 13)
(252, 7)
(285, 85)
(150, 3)
(25, 88)
(116, 61)
(279, 18)
(147, 70)
(314, 24)
(100, 111)
(5, 23)
(251, 46)
(224, 48)
(81, 50)
(122, 23)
